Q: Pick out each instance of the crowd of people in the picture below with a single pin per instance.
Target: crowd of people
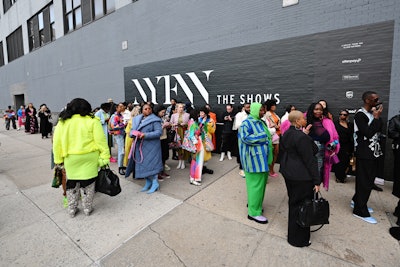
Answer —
(308, 145)
(31, 120)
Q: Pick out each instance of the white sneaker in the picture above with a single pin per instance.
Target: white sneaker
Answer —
(241, 173)
(367, 219)
(370, 210)
(167, 168)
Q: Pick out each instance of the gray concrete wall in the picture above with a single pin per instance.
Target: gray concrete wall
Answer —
(89, 62)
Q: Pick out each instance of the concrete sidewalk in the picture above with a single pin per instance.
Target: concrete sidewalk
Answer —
(180, 225)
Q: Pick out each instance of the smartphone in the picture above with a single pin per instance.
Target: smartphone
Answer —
(378, 106)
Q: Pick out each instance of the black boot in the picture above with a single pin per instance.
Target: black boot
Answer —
(207, 170)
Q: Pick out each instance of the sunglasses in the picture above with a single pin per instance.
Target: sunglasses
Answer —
(344, 114)
(375, 99)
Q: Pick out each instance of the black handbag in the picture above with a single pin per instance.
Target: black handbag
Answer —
(107, 182)
(171, 133)
(313, 212)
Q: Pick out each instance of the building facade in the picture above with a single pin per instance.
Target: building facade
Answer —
(215, 52)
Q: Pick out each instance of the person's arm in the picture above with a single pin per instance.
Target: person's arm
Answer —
(57, 148)
(367, 130)
(305, 149)
(211, 126)
(248, 137)
(156, 133)
(101, 142)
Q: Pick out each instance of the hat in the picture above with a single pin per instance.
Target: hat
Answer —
(110, 100)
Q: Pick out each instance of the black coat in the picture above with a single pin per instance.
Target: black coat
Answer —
(368, 146)
(298, 162)
(394, 133)
(394, 129)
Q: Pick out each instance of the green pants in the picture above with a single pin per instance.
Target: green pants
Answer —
(255, 183)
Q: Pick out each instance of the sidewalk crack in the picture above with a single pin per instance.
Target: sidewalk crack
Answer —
(165, 244)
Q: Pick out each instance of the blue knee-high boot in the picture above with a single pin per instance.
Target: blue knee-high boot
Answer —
(147, 185)
(155, 185)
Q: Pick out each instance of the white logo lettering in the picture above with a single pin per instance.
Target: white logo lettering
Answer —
(167, 87)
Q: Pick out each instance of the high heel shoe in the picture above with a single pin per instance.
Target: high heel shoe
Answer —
(154, 186)
(147, 185)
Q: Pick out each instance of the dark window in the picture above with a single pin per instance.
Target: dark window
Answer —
(1, 54)
(7, 4)
(81, 12)
(15, 46)
(41, 28)
(73, 15)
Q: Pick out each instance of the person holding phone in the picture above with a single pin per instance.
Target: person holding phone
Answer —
(367, 128)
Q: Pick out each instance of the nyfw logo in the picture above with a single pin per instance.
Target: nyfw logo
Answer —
(148, 87)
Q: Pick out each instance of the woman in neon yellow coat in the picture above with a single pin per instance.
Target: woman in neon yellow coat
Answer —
(80, 145)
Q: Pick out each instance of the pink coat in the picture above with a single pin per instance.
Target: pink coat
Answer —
(330, 127)
(175, 117)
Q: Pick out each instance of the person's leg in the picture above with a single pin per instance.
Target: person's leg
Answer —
(7, 124)
(297, 192)
(87, 194)
(224, 146)
(275, 156)
(119, 139)
(340, 168)
(230, 145)
(255, 184)
(73, 197)
(365, 176)
(154, 185)
(13, 124)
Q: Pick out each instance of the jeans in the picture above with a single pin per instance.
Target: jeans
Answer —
(119, 139)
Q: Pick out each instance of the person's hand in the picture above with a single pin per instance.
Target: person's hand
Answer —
(316, 188)
(141, 136)
(377, 111)
(306, 130)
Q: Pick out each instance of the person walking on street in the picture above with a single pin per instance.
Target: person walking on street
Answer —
(21, 117)
(367, 128)
(9, 116)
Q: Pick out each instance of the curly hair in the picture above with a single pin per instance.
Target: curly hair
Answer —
(310, 112)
